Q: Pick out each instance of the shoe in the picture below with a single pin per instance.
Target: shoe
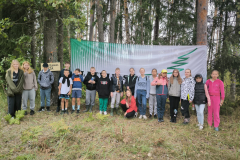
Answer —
(145, 117)
(25, 113)
(100, 112)
(200, 127)
(186, 121)
(111, 111)
(78, 111)
(136, 113)
(105, 112)
(41, 109)
(174, 120)
(216, 129)
(48, 109)
(87, 108)
(90, 108)
(32, 112)
(160, 120)
(62, 112)
(150, 116)
(140, 117)
(72, 111)
(155, 116)
(116, 110)
(58, 109)
(66, 111)
(171, 120)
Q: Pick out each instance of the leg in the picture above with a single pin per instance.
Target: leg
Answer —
(18, 101)
(130, 114)
(198, 112)
(151, 103)
(155, 105)
(118, 97)
(113, 99)
(25, 96)
(171, 99)
(48, 96)
(62, 103)
(66, 104)
(11, 104)
(101, 104)
(164, 98)
(144, 102)
(93, 96)
(124, 108)
(186, 109)
(216, 111)
(87, 97)
(78, 101)
(73, 103)
(158, 105)
(105, 104)
(161, 107)
(210, 112)
(32, 99)
(139, 100)
(176, 104)
(42, 95)
(201, 113)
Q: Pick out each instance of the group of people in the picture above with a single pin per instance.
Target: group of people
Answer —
(22, 86)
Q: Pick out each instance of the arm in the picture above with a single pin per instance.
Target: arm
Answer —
(52, 79)
(133, 84)
(126, 82)
(222, 92)
(154, 82)
(71, 83)
(207, 95)
(135, 92)
(192, 91)
(39, 75)
(81, 77)
(35, 81)
(148, 88)
(133, 103)
(86, 80)
(59, 88)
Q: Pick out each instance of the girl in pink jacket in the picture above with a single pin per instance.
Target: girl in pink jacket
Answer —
(216, 91)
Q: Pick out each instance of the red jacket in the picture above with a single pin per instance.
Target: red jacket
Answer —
(132, 107)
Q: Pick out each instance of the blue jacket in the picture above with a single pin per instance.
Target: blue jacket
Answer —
(77, 81)
(162, 89)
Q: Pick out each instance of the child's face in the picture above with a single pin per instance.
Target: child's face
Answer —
(128, 93)
(26, 66)
(214, 75)
(67, 66)
(154, 73)
(187, 73)
(164, 74)
(198, 79)
(92, 71)
(142, 71)
(175, 73)
(104, 74)
(132, 71)
(77, 72)
(117, 72)
(66, 73)
(45, 68)
(15, 65)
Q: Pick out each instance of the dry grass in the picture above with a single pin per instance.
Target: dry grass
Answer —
(115, 138)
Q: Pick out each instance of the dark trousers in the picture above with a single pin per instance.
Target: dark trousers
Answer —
(161, 101)
(174, 103)
(128, 115)
(14, 104)
(185, 108)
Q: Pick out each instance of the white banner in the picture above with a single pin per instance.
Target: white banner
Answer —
(109, 56)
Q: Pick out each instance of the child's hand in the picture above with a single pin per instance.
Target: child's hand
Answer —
(59, 93)
(159, 84)
(190, 101)
(89, 81)
(69, 93)
(93, 82)
(125, 113)
(193, 105)
(209, 103)
(111, 94)
(221, 103)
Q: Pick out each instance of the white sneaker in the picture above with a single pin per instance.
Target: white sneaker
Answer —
(105, 112)
(100, 112)
(140, 117)
(136, 114)
(144, 117)
(200, 127)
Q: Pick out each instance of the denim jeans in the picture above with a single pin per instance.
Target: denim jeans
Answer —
(200, 114)
(161, 101)
(45, 93)
(142, 101)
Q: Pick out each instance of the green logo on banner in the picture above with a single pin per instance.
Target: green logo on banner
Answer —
(181, 62)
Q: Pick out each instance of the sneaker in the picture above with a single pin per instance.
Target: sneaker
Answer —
(140, 117)
(32, 112)
(171, 120)
(105, 112)
(185, 121)
(66, 111)
(72, 111)
(216, 129)
(160, 120)
(78, 111)
(155, 116)
(150, 116)
(200, 127)
(25, 113)
(144, 117)
(101, 112)
(136, 113)
(62, 112)
(48, 109)
(193, 108)
(41, 109)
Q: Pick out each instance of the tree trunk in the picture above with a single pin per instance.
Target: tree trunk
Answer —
(126, 22)
(92, 13)
(69, 40)
(141, 11)
(100, 21)
(60, 38)
(202, 22)
(156, 27)
(50, 46)
(112, 20)
(33, 42)
(87, 20)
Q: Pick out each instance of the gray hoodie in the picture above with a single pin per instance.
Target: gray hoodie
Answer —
(175, 88)
(45, 79)
(152, 88)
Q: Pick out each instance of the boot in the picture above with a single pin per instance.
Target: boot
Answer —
(174, 120)
(90, 110)
(111, 111)
(87, 108)
(58, 109)
(116, 110)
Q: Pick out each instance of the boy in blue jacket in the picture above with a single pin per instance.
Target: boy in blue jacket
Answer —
(76, 89)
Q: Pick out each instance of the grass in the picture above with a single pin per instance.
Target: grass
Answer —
(48, 135)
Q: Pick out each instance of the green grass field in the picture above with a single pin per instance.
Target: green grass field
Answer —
(48, 135)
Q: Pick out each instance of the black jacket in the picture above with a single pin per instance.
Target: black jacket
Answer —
(131, 81)
(103, 87)
(89, 85)
(114, 83)
(199, 96)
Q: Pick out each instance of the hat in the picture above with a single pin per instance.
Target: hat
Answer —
(164, 71)
(198, 76)
(45, 65)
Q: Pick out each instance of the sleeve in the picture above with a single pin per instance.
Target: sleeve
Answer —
(148, 88)
(96, 79)
(97, 86)
(81, 77)
(71, 81)
(123, 101)
(154, 82)
(86, 80)
(136, 87)
(192, 87)
(60, 80)
(169, 86)
(126, 82)
(122, 85)
(131, 107)
(222, 90)
(72, 77)
(133, 83)
(206, 93)
(39, 75)
(71, 74)
(52, 79)
(111, 88)
(35, 81)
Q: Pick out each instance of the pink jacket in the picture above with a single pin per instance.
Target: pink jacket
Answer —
(162, 81)
(216, 88)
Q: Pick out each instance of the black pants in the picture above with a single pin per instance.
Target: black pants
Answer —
(185, 108)
(128, 115)
(14, 104)
(174, 103)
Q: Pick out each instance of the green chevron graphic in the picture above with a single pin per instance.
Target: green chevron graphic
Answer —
(180, 62)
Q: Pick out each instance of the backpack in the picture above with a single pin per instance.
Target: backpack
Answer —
(145, 77)
(133, 78)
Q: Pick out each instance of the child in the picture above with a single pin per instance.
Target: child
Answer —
(91, 82)
(65, 89)
(152, 97)
(45, 79)
(131, 81)
(77, 79)
(142, 89)
(201, 97)
(67, 66)
(174, 90)
(216, 91)
(187, 88)
(116, 90)
(15, 80)
(128, 105)
(161, 83)
(30, 87)
(103, 89)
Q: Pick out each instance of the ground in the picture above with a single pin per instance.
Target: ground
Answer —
(48, 135)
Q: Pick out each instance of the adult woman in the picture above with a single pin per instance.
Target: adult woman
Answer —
(30, 87)
(15, 79)
(128, 105)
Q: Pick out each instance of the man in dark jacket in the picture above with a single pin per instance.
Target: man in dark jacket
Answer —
(131, 81)
(90, 81)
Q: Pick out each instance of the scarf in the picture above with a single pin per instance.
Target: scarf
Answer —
(68, 81)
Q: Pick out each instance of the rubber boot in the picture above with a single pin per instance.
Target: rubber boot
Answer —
(87, 108)
(174, 120)
(111, 111)
(90, 110)
(116, 110)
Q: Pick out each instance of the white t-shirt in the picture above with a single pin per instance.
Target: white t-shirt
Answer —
(65, 89)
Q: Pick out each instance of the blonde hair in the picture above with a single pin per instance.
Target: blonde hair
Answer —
(12, 68)
(117, 69)
(92, 68)
(30, 70)
(128, 99)
(190, 71)
(141, 68)
(178, 77)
